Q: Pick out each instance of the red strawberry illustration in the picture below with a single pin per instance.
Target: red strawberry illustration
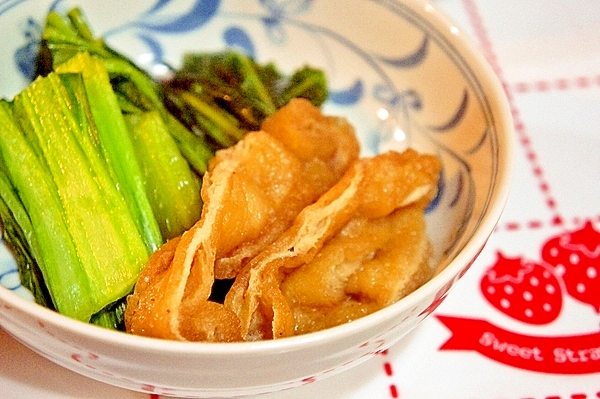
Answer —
(523, 290)
(575, 256)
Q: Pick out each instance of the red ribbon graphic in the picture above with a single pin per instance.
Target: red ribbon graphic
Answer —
(573, 354)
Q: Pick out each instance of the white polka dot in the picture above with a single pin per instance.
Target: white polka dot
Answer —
(505, 303)
(528, 312)
(560, 269)
(546, 274)
(591, 272)
(550, 289)
(491, 290)
(580, 288)
(509, 289)
(527, 296)
(553, 252)
(574, 259)
(547, 307)
(534, 281)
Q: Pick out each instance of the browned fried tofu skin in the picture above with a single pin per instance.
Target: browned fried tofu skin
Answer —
(360, 247)
(313, 236)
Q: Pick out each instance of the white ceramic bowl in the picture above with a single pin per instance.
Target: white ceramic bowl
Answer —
(399, 71)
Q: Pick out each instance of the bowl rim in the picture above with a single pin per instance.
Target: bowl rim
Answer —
(463, 258)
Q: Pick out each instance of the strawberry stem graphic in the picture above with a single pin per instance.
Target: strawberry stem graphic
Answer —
(508, 269)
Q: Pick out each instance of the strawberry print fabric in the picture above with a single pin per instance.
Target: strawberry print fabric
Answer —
(524, 290)
(524, 321)
(575, 257)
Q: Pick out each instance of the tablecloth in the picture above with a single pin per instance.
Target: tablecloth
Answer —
(524, 322)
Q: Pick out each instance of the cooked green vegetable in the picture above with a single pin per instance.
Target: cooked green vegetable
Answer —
(17, 232)
(89, 244)
(216, 96)
(39, 195)
(112, 316)
(308, 83)
(115, 142)
(225, 94)
(64, 38)
(173, 190)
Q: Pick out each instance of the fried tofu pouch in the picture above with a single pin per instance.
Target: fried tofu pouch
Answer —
(360, 247)
(251, 193)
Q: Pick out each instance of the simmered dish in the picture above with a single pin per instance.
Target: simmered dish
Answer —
(313, 236)
(220, 205)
